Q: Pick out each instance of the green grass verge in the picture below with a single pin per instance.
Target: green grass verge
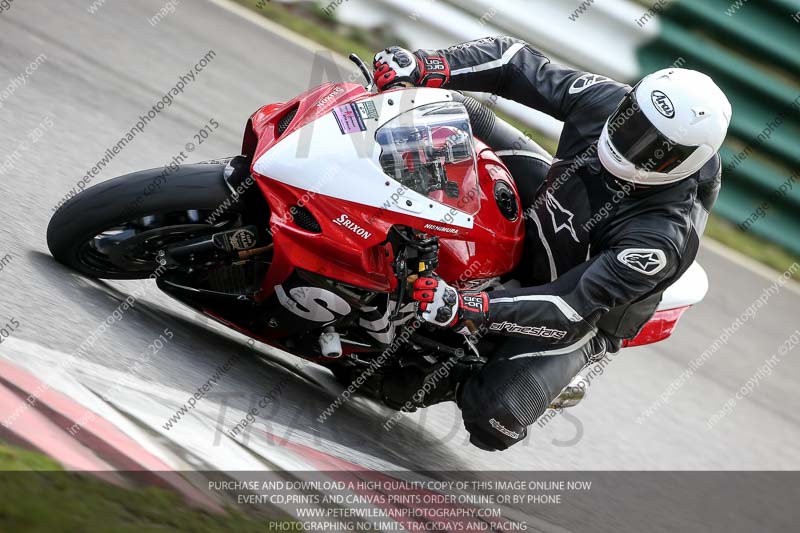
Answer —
(762, 251)
(36, 495)
(314, 25)
(323, 29)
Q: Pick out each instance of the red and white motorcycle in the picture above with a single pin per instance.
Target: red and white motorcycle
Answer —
(308, 240)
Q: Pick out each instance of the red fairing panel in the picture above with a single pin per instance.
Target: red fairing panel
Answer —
(358, 258)
(493, 247)
(262, 128)
(351, 246)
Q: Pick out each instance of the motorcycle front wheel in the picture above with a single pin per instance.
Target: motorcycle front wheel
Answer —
(116, 229)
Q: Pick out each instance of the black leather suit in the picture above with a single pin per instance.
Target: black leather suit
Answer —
(598, 252)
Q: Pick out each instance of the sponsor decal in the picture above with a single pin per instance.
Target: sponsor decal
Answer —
(345, 221)
(434, 227)
(663, 104)
(562, 218)
(313, 303)
(533, 331)
(367, 110)
(587, 80)
(504, 430)
(379, 328)
(473, 302)
(435, 63)
(330, 97)
(647, 261)
(349, 119)
(243, 239)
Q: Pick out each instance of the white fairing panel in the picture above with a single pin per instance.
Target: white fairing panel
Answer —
(323, 158)
(689, 289)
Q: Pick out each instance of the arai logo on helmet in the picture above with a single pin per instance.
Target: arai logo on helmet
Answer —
(663, 104)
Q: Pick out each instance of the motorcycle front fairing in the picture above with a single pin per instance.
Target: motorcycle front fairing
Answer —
(342, 163)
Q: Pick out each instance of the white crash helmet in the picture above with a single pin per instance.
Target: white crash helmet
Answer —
(671, 123)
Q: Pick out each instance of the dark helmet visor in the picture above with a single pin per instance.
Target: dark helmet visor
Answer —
(636, 139)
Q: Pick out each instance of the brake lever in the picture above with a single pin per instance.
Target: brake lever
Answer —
(365, 71)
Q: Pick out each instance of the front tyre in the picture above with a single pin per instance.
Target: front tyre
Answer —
(118, 228)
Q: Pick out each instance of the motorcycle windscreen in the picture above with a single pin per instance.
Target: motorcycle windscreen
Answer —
(430, 150)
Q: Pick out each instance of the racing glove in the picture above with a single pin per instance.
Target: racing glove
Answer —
(398, 65)
(446, 307)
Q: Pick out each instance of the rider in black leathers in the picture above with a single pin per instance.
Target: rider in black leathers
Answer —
(600, 247)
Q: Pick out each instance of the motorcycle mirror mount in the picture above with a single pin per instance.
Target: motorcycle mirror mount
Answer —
(364, 70)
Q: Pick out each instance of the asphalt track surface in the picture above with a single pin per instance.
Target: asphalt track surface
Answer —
(103, 71)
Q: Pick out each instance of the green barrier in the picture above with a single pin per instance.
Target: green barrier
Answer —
(757, 99)
(758, 27)
(753, 55)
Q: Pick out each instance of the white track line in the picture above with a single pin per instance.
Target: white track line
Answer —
(152, 404)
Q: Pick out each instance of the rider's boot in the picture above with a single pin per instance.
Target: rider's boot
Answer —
(414, 387)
